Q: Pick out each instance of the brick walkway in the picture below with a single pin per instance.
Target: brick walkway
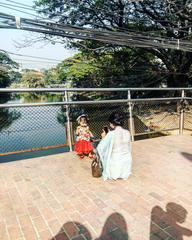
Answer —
(55, 197)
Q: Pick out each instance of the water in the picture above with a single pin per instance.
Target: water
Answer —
(30, 127)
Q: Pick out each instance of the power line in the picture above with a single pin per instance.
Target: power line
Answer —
(13, 5)
(18, 3)
(11, 8)
(107, 12)
(117, 38)
(26, 7)
(34, 61)
(31, 56)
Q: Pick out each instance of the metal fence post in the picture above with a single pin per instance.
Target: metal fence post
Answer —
(68, 123)
(181, 122)
(131, 117)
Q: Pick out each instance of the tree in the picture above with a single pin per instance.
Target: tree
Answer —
(7, 71)
(117, 68)
(163, 18)
(32, 79)
(52, 76)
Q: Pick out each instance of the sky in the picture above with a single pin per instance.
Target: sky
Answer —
(10, 38)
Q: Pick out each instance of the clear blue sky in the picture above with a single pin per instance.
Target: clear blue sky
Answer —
(9, 37)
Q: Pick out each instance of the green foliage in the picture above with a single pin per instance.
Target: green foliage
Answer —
(161, 18)
(7, 70)
(52, 76)
(7, 61)
(32, 79)
(4, 77)
(118, 68)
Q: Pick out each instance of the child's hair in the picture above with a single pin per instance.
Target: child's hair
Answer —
(82, 116)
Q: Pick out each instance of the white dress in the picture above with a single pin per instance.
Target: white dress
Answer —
(115, 153)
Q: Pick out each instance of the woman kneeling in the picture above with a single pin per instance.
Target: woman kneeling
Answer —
(115, 150)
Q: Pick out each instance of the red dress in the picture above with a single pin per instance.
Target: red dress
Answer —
(83, 144)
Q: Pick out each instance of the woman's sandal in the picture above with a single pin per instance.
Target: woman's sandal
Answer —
(81, 156)
(91, 156)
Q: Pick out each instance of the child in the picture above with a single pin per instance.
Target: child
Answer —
(83, 144)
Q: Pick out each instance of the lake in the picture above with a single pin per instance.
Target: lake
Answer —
(27, 128)
(31, 127)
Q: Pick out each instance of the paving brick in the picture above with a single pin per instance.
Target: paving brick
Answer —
(39, 224)
(45, 235)
(60, 236)
(33, 212)
(54, 225)
(55, 197)
(25, 220)
(14, 232)
(71, 229)
(30, 234)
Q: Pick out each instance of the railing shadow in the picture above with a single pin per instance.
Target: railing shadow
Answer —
(166, 224)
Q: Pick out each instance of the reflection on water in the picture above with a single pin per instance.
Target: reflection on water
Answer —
(30, 127)
(27, 128)
(39, 97)
(7, 117)
(37, 127)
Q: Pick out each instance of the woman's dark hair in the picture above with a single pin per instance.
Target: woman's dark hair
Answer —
(116, 119)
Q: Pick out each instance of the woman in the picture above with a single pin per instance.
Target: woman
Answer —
(115, 151)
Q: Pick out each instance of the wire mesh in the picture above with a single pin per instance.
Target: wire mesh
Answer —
(155, 117)
(98, 116)
(188, 116)
(148, 117)
(28, 128)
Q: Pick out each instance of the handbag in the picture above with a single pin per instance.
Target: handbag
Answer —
(96, 166)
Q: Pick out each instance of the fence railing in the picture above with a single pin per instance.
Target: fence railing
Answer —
(38, 125)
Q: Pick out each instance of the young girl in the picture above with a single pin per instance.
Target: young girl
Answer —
(83, 144)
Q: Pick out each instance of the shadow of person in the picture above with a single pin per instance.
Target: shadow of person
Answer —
(166, 224)
(115, 228)
(73, 229)
(187, 155)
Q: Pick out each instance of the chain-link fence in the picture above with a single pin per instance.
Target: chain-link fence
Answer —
(28, 128)
(148, 118)
(162, 118)
(41, 126)
(188, 117)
